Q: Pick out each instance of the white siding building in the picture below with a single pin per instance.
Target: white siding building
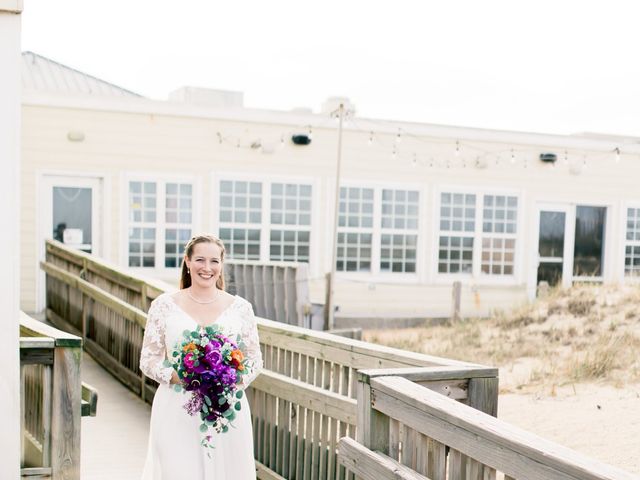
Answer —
(422, 205)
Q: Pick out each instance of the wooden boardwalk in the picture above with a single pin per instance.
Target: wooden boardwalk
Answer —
(114, 442)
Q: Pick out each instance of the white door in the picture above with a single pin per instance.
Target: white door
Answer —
(570, 244)
(554, 260)
(71, 209)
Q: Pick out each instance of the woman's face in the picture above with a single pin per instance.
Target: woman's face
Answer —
(205, 264)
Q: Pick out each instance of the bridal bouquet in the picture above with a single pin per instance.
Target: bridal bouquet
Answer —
(210, 366)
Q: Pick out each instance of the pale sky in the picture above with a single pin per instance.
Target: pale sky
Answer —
(544, 66)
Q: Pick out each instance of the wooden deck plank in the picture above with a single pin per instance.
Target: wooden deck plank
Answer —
(119, 431)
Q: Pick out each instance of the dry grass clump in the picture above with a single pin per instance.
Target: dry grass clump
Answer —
(586, 333)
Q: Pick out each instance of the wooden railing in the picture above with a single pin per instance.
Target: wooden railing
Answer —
(329, 407)
(306, 398)
(406, 431)
(52, 401)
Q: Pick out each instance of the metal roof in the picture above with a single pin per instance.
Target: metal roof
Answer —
(43, 74)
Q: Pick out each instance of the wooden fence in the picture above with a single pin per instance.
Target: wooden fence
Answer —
(52, 400)
(306, 398)
(316, 389)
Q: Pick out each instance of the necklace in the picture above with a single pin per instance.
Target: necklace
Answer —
(200, 301)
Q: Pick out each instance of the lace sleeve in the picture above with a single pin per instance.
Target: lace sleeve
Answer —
(154, 351)
(251, 341)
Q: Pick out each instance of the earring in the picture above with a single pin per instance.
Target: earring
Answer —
(188, 271)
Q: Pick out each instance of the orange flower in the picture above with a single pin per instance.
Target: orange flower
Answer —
(190, 347)
(237, 356)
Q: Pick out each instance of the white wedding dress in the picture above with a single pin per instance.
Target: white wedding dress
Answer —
(174, 451)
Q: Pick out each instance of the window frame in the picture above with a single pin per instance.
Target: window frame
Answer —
(624, 277)
(265, 225)
(376, 275)
(160, 225)
(476, 276)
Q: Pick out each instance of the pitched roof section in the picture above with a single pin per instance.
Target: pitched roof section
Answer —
(42, 74)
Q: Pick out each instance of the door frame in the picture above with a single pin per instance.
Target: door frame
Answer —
(569, 236)
(44, 217)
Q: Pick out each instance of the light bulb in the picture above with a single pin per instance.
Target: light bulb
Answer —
(617, 155)
(513, 156)
(370, 142)
(457, 153)
(398, 137)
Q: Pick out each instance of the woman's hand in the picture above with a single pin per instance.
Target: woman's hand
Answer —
(174, 378)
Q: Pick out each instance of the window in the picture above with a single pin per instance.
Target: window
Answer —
(399, 231)
(632, 244)
(457, 230)
(462, 238)
(394, 230)
(241, 218)
(355, 229)
(290, 222)
(589, 241)
(499, 220)
(160, 222)
(287, 210)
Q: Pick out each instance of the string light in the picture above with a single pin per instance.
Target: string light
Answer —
(281, 141)
(414, 161)
(617, 155)
(457, 153)
(370, 139)
(219, 137)
(513, 157)
(394, 154)
(566, 157)
(398, 137)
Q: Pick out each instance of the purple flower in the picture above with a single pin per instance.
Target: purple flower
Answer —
(194, 404)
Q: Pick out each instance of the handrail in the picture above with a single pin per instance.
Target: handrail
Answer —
(304, 400)
(489, 443)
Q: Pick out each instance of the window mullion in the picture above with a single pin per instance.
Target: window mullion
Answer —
(265, 230)
(478, 236)
(162, 223)
(376, 231)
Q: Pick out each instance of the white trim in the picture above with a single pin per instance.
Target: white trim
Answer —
(476, 277)
(160, 225)
(375, 275)
(267, 180)
(622, 277)
(100, 226)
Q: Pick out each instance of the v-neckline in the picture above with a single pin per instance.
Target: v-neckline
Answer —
(190, 317)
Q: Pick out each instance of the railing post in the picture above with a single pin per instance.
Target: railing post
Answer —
(65, 422)
(483, 394)
(372, 427)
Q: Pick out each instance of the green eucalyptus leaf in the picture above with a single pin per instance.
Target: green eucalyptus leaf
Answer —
(177, 387)
(203, 427)
(237, 406)
(239, 394)
(207, 400)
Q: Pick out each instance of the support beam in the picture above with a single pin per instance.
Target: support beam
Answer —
(10, 62)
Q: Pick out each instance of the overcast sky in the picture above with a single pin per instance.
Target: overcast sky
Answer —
(545, 66)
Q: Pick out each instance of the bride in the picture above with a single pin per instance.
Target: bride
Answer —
(174, 438)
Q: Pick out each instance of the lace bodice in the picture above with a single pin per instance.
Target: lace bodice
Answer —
(166, 321)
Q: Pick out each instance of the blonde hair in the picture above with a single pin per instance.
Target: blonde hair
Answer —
(185, 276)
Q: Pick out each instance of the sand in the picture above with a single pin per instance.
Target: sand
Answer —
(600, 421)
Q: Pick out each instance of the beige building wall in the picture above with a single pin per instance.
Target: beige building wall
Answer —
(137, 139)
